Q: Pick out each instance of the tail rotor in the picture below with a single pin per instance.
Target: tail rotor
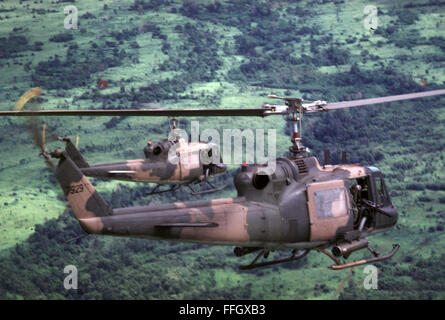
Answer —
(41, 143)
(38, 132)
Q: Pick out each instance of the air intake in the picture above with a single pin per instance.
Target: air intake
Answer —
(302, 168)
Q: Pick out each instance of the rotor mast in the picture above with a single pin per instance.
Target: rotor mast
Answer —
(294, 114)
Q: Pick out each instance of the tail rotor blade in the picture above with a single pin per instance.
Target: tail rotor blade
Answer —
(43, 150)
(39, 136)
(43, 134)
(49, 163)
(28, 95)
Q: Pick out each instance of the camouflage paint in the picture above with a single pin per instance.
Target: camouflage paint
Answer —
(156, 168)
(273, 212)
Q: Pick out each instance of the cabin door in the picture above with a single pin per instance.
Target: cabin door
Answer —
(329, 209)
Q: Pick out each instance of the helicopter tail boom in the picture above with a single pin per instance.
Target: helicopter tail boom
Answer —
(226, 218)
(83, 198)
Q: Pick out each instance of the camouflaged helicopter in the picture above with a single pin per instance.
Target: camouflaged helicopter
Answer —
(302, 206)
(158, 167)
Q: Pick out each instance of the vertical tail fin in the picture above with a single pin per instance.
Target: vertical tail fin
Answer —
(75, 155)
(80, 193)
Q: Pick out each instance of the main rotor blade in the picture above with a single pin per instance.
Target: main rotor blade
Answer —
(258, 112)
(152, 105)
(364, 102)
(266, 110)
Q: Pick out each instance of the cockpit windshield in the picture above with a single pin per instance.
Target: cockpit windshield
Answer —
(382, 194)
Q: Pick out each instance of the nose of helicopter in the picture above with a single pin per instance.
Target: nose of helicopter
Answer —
(217, 168)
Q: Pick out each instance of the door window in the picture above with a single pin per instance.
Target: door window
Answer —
(329, 209)
(330, 203)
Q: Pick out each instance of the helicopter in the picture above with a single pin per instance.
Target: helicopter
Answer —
(172, 161)
(159, 167)
(302, 206)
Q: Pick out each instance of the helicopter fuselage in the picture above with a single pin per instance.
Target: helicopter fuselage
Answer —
(167, 162)
(301, 205)
(144, 170)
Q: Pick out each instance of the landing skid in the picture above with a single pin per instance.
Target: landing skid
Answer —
(193, 191)
(377, 257)
(265, 253)
(155, 190)
(213, 189)
(77, 238)
(337, 266)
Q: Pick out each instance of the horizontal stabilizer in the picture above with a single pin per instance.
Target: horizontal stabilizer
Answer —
(122, 171)
(191, 224)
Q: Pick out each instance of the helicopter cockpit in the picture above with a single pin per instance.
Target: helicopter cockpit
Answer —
(369, 197)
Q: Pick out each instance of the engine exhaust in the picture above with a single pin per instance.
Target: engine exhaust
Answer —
(345, 249)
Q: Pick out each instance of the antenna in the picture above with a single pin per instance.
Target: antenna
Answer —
(343, 157)
(327, 157)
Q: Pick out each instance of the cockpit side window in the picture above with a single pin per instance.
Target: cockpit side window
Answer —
(360, 188)
(382, 195)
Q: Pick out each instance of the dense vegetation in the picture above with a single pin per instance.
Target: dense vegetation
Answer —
(229, 54)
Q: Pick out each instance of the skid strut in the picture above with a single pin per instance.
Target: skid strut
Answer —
(212, 189)
(155, 190)
(265, 253)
